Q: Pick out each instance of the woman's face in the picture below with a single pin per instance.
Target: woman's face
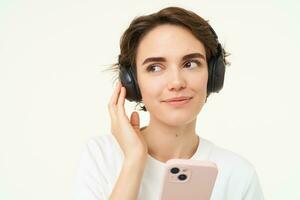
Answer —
(171, 62)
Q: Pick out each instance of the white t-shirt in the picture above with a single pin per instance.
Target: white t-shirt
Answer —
(102, 158)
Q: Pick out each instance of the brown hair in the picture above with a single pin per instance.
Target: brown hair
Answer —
(140, 26)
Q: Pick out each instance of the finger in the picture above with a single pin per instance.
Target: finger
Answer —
(121, 104)
(113, 100)
(121, 100)
(115, 95)
(135, 120)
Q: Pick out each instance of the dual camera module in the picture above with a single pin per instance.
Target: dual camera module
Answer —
(175, 170)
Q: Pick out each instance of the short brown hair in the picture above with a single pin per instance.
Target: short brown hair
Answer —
(141, 25)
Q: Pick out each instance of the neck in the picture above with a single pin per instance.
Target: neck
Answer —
(166, 142)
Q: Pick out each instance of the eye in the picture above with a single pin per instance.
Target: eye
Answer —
(192, 63)
(151, 67)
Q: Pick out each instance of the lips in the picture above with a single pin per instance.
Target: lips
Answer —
(175, 99)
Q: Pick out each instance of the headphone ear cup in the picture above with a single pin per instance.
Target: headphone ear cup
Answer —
(216, 73)
(210, 72)
(219, 74)
(127, 78)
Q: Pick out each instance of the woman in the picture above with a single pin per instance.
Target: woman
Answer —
(170, 61)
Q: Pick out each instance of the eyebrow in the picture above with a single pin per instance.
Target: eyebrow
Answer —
(162, 59)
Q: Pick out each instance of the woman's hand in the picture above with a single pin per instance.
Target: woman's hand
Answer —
(126, 132)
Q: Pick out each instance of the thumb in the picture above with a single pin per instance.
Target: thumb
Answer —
(135, 121)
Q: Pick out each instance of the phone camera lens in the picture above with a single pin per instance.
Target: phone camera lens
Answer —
(174, 170)
(182, 177)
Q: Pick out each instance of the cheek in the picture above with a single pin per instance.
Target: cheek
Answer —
(150, 90)
(199, 83)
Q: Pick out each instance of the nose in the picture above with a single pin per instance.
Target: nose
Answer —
(176, 80)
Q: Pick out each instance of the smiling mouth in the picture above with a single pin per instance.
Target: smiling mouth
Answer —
(178, 102)
(178, 98)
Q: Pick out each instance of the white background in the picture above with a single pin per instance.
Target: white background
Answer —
(54, 93)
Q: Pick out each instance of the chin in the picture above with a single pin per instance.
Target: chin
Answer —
(177, 119)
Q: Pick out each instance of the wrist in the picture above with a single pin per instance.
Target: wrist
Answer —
(139, 160)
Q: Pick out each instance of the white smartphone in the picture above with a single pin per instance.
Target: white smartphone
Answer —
(187, 179)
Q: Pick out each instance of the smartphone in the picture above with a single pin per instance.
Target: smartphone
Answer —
(187, 179)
